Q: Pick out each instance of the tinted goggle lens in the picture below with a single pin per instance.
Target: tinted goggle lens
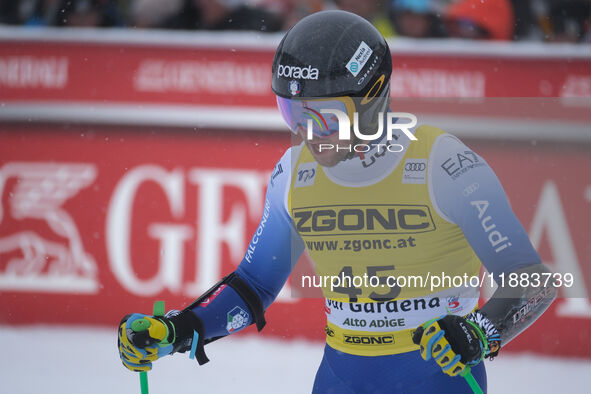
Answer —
(298, 113)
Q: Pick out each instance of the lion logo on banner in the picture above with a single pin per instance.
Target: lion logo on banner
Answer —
(40, 245)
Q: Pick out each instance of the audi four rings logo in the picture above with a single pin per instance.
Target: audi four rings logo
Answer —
(415, 166)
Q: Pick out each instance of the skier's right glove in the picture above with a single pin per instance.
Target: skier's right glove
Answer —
(143, 339)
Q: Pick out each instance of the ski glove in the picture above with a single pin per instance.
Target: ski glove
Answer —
(455, 342)
(143, 339)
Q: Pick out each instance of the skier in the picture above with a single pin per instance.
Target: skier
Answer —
(413, 204)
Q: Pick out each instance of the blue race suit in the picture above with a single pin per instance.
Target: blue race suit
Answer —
(456, 172)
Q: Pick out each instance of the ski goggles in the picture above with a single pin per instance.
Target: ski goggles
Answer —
(301, 112)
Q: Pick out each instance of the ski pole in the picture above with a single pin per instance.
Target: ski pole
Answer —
(141, 325)
(467, 374)
(144, 382)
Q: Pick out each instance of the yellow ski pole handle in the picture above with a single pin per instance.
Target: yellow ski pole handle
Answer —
(141, 325)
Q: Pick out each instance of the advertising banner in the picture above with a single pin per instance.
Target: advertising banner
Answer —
(96, 222)
(134, 167)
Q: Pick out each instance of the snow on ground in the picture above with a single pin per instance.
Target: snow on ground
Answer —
(48, 360)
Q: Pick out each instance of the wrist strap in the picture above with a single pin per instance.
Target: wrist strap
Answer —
(245, 292)
(483, 341)
(186, 323)
(493, 338)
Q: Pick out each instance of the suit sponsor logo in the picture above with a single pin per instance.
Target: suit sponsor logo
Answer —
(415, 171)
(460, 163)
(278, 171)
(305, 174)
(495, 238)
(369, 339)
(363, 220)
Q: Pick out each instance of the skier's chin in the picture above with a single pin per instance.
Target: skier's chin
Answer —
(326, 157)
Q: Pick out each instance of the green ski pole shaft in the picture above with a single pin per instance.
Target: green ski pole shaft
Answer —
(472, 381)
(144, 382)
(157, 311)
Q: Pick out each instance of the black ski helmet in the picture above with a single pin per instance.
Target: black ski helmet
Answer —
(330, 54)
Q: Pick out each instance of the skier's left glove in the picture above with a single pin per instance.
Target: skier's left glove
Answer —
(455, 342)
(143, 339)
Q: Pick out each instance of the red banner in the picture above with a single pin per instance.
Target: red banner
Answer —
(37, 68)
(98, 222)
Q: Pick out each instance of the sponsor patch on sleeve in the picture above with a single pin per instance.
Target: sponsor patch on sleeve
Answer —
(237, 319)
(276, 172)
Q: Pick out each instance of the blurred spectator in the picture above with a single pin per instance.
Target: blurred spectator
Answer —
(88, 13)
(153, 13)
(235, 15)
(294, 10)
(564, 20)
(526, 26)
(372, 10)
(37, 12)
(9, 12)
(570, 20)
(480, 19)
(419, 18)
(186, 18)
(550, 20)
